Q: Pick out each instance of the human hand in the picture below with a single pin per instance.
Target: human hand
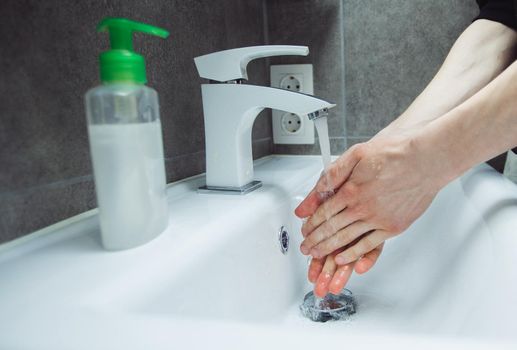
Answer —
(327, 276)
(382, 186)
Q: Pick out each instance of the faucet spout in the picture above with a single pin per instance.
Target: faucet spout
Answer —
(318, 114)
(229, 112)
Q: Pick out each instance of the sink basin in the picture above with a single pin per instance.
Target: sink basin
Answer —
(217, 277)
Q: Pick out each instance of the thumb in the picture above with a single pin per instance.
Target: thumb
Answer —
(336, 174)
(339, 171)
(309, 205)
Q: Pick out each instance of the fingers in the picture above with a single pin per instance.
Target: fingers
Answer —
(365, 263)
(326, 230)
(330, 277)
(309, 205)
(324, 212)
(339, 171)
(341, 239)
(341, 277)
(315, 268)
(364, 245)
(321, 287)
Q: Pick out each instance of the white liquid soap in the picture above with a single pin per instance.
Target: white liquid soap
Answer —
(130, 182)
(126, 142)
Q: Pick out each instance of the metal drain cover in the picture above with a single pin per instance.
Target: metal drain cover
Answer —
(331, 307)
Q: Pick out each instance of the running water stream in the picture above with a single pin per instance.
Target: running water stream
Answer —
(321, 125)
(330, 307)
(323, 135)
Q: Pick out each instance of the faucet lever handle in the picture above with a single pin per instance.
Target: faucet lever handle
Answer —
(231, 64)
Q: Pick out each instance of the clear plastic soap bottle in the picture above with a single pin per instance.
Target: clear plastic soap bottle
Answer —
(126, 142)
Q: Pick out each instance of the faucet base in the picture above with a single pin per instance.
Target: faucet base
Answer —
(253, 185)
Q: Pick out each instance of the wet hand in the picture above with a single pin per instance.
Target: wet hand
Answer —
(382, 187)
(328, 277)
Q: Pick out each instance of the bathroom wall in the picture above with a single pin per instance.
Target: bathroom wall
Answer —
(318, 25)
(372, 57)
(391, 54)
(48, 60)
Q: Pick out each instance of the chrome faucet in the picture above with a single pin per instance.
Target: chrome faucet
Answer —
(230, 108)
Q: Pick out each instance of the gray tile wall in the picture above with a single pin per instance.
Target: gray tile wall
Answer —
(48, 60)
(371, 57)
(392, 50)
(318, 25)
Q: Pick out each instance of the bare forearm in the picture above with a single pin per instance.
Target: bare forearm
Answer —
(482, 127)
(480, 54)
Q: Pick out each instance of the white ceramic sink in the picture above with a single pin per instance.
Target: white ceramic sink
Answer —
(217, 278)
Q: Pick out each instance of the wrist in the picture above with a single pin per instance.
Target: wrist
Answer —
(406, 124)
(439, 152)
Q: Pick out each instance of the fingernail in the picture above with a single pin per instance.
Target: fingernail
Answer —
(304, 250)
(313, 277)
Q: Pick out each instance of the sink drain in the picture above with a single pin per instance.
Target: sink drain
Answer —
(283, 240)
(331, 307)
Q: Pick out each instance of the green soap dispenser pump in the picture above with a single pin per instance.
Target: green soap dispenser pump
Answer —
(121, 63)
(126, 142)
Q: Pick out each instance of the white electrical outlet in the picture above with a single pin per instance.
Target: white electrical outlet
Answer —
(290, 128)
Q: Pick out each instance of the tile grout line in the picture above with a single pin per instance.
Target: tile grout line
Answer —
(189, 155)
(89, 178)
(50, 185)
(265, 33)
(262, 139)
(267, 62)
(360, 137)
(343, 66)
(265, 24)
